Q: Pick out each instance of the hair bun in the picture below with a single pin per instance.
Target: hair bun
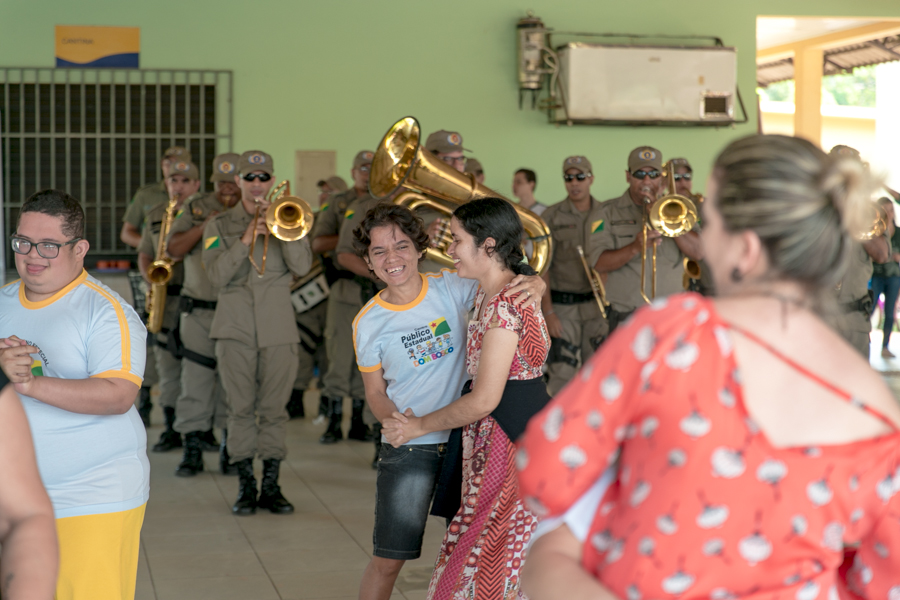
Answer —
(847, 185)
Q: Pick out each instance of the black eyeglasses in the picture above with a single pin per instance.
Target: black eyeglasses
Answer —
(44, 249)
(654, 174)
(252, 176)
(453, 159)
(578, 176)
(680, 176)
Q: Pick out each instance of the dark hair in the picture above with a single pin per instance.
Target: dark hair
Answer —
(885, 200)
(802, 203)
(57, 204)
(495, 218)
(530, 176)
(321, 183)
(388, 215)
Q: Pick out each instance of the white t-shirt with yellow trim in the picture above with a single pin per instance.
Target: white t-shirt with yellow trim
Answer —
(90, 464)
(420, 346)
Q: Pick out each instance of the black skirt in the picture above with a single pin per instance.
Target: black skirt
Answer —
(521, 400)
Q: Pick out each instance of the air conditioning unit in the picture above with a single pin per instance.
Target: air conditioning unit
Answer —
(646, 84)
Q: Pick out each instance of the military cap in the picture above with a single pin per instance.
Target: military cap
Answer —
(578, 162)
(255, 160)
(644, 156)
(225, 167)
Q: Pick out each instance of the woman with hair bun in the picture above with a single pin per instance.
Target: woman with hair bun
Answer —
(483, 549)
(754, 445)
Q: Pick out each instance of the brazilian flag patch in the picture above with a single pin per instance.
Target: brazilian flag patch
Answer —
(597, 226)
(211, 242)
(37, 368)
(349, 214)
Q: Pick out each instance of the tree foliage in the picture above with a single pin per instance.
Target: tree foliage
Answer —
(849, 89)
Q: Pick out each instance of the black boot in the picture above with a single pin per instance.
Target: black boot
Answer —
(376, 432)
(225, 466)
(169, 439)
(270, 492)
(358, 428)
(208, 441)
(192, 462)
(145, 406)
(295, 405)
(323, 411)
(335, 415)
(246, 501)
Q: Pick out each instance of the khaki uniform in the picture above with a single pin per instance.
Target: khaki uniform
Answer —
(202, 401)
(583, 325)
(168, 368)
(256, 339)
(852, 319)
(144, 199)
(344, 300)
(311, 327)
(622, 223)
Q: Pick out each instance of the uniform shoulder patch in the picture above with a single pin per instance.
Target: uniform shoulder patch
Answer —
(349, 214)
(597, 225)
(211, 242)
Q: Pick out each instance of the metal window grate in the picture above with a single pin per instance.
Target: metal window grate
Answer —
(98, 134)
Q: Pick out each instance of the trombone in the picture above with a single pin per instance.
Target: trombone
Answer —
(288, 218)
(673, 215)
(597, 287)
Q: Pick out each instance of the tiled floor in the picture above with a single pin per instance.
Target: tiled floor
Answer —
(192, 548)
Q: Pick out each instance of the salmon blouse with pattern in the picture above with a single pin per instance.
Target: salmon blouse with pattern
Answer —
(705, 506)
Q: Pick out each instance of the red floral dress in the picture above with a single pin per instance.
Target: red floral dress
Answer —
(484, 546)
(704, 505)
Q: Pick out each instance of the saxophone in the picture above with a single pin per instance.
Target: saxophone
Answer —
(159, 273)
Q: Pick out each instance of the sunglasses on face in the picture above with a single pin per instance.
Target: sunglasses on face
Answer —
(680, 176)
(264, 177)
(578, 176)
(364, 168)
(44, 249)
(654, 174)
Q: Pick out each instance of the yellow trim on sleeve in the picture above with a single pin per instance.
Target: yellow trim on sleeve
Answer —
(44, 303)
(123, 328)
(127, 375)
(369, 369)
(356, 319)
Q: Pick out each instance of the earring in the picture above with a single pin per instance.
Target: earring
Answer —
(736, 275)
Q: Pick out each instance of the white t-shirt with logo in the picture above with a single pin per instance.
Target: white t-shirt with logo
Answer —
(420, 346)
(90, 464)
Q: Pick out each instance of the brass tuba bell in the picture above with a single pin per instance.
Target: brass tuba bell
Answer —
(401, 162)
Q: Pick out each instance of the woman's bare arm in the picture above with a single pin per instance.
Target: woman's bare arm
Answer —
(553, 570)
(27, 528)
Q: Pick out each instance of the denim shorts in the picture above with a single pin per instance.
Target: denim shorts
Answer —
(403, 492)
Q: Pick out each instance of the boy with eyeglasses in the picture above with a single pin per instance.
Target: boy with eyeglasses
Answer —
(255, 332)
(183, 181)
(75, 352)
(574, 320)
(620, 240)
(345, 299)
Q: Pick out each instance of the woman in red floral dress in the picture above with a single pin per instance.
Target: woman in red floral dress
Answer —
(483, 549)
(755, 449)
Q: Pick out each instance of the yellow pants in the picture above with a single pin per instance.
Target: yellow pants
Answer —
(98, 555)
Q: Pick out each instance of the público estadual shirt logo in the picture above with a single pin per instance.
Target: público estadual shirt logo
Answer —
(429, 342)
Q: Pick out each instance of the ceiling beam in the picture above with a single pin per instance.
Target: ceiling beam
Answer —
(857, 35)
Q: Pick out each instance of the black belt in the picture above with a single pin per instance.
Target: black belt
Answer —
(863, 305)
(188, 304)
(173, 290)
(570, 297)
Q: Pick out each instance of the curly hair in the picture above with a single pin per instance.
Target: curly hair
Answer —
(387, 215)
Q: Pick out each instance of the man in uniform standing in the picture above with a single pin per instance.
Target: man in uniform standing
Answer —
(202, 399)
(183, 181)
(620, 240)
(344, 300)
(253, 325)
(144, 199)
(574, 320)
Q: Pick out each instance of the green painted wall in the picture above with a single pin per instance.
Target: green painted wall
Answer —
(335, 74)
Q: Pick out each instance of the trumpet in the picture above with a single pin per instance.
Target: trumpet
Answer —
(673, 215)
(597, 287)
(159, 273)
(401, 163)
(288, 218)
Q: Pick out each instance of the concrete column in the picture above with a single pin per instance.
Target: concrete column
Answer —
(808, 94)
